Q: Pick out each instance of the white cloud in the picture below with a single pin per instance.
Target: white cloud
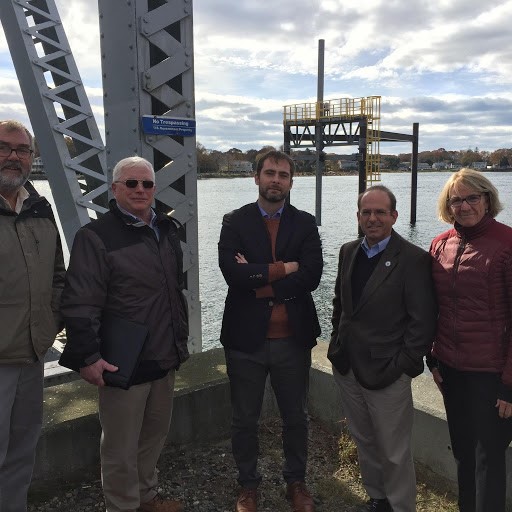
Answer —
(446, 65)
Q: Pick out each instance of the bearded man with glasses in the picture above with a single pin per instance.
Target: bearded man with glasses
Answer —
(31, 282)
(128, 264)
(384, 318)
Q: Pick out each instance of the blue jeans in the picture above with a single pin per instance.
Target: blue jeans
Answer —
(287, 364)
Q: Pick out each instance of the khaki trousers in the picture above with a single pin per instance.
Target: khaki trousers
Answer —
(135, 425)
(380, 422)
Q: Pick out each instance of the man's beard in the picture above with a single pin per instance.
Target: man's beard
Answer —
(11, 183)
(275, 197)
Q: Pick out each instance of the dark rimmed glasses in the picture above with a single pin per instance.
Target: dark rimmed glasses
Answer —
(366, 214)
(456, 202)
(134, 183)
(22, 153)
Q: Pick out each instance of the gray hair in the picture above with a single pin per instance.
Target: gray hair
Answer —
(10, 125)
(129, 163)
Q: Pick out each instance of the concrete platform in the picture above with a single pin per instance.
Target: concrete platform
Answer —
(70, 438)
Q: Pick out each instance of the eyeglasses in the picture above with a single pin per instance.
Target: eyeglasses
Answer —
(366, 214)
(134, 183)
(22, 153)
(456, 202)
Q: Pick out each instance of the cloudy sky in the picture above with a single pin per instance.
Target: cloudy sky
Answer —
(445, 64)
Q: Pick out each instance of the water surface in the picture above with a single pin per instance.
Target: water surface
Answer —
(219, 196)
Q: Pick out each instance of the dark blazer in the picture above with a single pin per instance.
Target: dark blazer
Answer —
(246, 318)
(394, 323)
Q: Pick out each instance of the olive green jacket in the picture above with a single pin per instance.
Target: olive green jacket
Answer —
(31, 280)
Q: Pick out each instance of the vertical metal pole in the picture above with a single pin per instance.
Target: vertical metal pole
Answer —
(319, 143)
(362, 155)
(320, 82)
(286, 140)
(363, 124)
(287, 150)
(414, 171)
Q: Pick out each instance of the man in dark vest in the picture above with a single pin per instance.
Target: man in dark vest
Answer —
(271, 257)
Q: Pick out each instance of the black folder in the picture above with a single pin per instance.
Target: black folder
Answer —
(122, 342)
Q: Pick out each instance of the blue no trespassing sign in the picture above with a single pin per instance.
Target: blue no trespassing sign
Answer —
(163, 125)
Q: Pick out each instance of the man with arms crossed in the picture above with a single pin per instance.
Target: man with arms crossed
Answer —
(384, 319)
(129, 264)
(31, 281)
(271, 257)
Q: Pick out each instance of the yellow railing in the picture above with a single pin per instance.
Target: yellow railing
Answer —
(373, 140)
(340, 110)
(343, 107)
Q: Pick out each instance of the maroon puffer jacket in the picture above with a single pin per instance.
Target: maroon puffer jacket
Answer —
(472, 271)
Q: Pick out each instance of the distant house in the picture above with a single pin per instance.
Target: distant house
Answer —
(240, 166)
(347, 165)
(37, 165)
(439, 165)
(479, 165)
(422, 166)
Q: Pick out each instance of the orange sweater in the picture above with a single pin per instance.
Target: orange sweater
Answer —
(278, 326)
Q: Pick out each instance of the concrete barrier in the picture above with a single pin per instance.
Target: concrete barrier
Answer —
(69, 444)
(202, 412)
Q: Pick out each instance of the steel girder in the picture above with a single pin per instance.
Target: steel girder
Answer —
(147, 62)
(333, 133)
(57, 106)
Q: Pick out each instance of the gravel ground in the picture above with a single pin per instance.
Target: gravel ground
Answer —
(203, 478)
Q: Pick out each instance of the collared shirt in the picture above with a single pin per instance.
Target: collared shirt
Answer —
(374, 249)
(267, 216)
(152, 223)
(22, 195)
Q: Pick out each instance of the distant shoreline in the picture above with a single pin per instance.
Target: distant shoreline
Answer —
(212, 175)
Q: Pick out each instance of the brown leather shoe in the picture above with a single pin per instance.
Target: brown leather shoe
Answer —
(300, 498)
(247, 501)
(159, 504)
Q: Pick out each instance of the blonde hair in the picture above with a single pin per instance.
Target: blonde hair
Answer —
(471, 179)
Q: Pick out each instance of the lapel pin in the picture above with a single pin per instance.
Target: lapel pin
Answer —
(388, 263)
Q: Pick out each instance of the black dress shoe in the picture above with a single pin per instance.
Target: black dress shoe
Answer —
(373, 505)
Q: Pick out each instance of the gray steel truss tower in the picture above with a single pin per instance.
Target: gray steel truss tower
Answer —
(148, 74)
(57, 105)
(147, 62)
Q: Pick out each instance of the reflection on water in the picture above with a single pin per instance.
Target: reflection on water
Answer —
(219, 196)
(412, 234)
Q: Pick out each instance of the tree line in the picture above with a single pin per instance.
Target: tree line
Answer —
(465, 158)
(214, 161)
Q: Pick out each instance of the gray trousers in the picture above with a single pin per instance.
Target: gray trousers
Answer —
(21, 417)
(287, 363)
(135, 424)
(380, 422)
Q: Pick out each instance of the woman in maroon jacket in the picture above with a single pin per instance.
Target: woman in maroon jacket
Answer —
(471, 362)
